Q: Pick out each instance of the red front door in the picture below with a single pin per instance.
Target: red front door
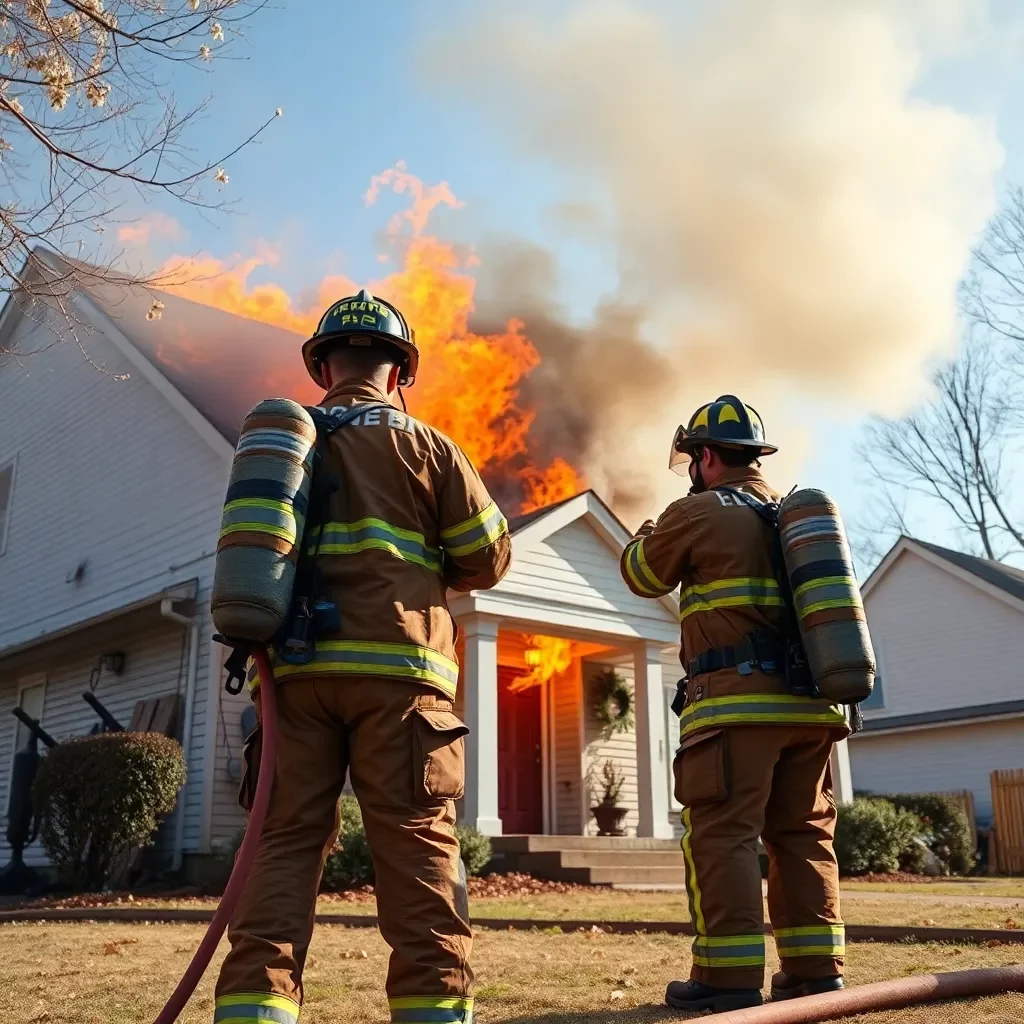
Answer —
(520, 802)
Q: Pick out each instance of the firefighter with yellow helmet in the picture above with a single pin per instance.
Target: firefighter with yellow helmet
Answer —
(754, 756)
(405, 518)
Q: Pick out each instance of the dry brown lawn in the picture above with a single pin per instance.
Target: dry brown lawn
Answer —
(973, 886)
(882, 907)
(120, 974)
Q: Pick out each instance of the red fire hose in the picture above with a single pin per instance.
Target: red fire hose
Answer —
(882, 995)
(246, 852)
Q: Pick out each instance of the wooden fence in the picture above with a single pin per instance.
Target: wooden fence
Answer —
(1008, 819)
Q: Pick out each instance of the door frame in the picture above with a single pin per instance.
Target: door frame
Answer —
(546, 732)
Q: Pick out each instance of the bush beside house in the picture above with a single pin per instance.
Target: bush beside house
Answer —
(904, 832)
(350, 862)
(102, 796)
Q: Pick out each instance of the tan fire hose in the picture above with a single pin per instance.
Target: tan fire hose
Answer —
(882, 995)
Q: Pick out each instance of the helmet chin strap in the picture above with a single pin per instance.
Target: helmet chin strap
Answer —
(698, 485)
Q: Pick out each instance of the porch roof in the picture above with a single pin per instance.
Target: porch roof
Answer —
(565, 580)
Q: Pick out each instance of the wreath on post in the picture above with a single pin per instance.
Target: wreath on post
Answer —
(613, 702)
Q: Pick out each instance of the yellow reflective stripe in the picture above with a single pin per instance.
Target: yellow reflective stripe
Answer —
(430, 1002)
(837, 602)
(702, 960)
(731, 602)
(269, 503)
(835, 930)
(647, 570)
(475, 533)
(733, 581)
(823, 581)
(255, 1008)
(360, 524)
(737, 591)
(759, 708)
(692, 886)
(635, 572)
(372, 534)
(364, 657)
(729, 950)
(828, 940)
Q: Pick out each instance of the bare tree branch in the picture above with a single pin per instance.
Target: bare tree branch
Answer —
(84, 115)
(951, 452)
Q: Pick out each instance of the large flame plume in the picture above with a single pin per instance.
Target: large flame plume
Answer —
(469, 384)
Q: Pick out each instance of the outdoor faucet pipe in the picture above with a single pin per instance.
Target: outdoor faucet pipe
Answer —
(246, 852)
(882, 995)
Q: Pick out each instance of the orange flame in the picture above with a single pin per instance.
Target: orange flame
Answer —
(468, 384)
(547, 657)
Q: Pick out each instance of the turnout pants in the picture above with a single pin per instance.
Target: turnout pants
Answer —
(403, 746)
(772, 781)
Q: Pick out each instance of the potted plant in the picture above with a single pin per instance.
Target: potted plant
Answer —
(608, 813)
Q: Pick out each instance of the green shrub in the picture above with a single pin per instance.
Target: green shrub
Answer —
(349, 863)
(100, 796)
(475, 848)
(949, 832)
(873, 835)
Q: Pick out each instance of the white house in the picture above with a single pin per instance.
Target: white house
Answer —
(948, 706)
(114, 457)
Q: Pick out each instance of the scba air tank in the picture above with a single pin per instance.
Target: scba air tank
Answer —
(263, 521)
(827, 601)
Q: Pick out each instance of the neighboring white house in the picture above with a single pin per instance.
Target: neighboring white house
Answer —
(948, 706)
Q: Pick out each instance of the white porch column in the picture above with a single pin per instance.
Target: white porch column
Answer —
(480, 678)
(842, 776)
(651, 755)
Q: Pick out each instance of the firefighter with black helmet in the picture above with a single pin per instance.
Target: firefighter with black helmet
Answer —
(754, 753)
(406, 518)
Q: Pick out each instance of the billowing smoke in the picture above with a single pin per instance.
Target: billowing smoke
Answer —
(788, 219)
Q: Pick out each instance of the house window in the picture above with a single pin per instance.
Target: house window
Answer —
(6, 495)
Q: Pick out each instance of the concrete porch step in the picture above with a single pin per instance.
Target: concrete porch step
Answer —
(544, 844)
(592, 860)
(613, 859)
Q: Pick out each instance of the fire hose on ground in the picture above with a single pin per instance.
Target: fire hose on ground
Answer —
(246, 852)
(883, 995)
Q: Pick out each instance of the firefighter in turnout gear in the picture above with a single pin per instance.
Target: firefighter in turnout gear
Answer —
(754, 756)
(408, 518)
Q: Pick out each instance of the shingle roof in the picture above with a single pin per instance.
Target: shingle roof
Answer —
(1005, 577)
(518, 522)
(224, 364)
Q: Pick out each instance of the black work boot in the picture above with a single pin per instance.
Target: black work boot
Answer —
(785, 986)
(694, 995)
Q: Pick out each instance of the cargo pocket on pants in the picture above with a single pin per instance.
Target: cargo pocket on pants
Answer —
(439, 755)
(252, 749)
(699, 769)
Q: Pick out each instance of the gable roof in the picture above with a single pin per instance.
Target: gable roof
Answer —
(517, 523)
(222, 363)
(1004, 577)
(994, 578)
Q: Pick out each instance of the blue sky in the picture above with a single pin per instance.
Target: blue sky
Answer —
(356, 98)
